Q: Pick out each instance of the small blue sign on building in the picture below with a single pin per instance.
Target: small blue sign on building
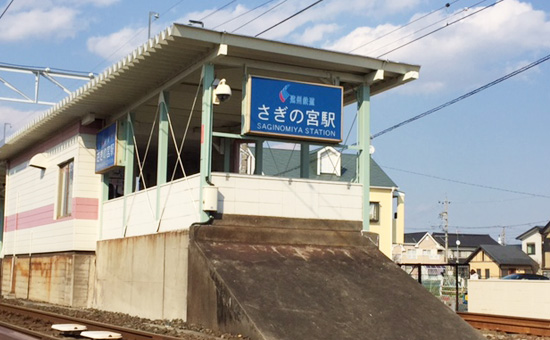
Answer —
(106, 149)
(294, 110)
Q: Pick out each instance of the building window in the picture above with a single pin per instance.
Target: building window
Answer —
(530, 249)
(64, 206)
(411, 253)
(487, 273)
(374, 211)
(479, 273)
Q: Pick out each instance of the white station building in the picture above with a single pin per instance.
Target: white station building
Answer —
(101, 189)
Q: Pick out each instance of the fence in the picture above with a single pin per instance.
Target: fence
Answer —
(448, 282)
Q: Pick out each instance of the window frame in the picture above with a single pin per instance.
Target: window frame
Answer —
(374, 214)
(532, 246)
(65, 189)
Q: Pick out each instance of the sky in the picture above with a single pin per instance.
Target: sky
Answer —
(488, 155)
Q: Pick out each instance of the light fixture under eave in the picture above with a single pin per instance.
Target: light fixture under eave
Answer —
(39, 161)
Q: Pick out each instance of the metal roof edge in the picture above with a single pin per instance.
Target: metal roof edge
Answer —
(84, 89)
(265, 45)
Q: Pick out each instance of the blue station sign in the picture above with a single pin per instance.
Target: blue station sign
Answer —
(106, 146)
(294, 110)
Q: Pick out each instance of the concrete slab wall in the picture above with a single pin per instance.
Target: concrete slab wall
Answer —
(144, 276)
(62, 279)
(521, 298)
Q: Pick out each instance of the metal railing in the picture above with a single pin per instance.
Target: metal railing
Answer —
(448, 282)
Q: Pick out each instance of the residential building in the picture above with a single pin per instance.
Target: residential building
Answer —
(535, 242)
(495, 261)
(429, 248)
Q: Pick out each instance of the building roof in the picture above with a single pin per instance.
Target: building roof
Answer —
(534, 230)
(505, 255)
(466, 240)
(286, 163)
(414, 237)
(179, 52)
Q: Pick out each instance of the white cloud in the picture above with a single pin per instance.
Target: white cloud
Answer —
(60, 22)
(118, 44)
(466, 54)
(317, 33)
(15, 117)
(39, 19)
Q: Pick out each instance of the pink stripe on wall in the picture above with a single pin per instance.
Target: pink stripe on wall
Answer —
(83, 209)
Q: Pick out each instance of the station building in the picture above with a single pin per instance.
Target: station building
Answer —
(106, 191)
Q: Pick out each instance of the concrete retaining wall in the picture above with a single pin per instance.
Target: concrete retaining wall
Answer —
(522, 298)
(144, 276)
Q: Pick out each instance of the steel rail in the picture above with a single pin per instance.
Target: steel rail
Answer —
(509, 324)
(127, 333)
(25, 331)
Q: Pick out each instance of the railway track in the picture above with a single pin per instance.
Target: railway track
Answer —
(508, 324)
(52, 318)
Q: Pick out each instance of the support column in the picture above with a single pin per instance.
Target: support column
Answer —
(227, 155)
(104, 198)
(259, 157)
(363, 111)
(304, 160)
(162, 157)
(206, 134)
(129, 154)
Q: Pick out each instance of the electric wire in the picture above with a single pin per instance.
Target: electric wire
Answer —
(467, 183)
(421, 30)
(447, 5)
(6, 9)
(256, 18)
(464, 96)
(217, 10)
(441, 28)
(243, 14)
(290, 17)
(501, 226)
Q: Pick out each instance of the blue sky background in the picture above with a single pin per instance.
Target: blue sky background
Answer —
(497, 138)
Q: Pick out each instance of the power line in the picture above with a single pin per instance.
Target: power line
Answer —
(502, 225)
(424, 28)
(441, 28)
(447, 5)
(217, 10)
(467, 183)
(464, 96)
(267, 11)
(243, 14)
(290, 17)
(6, 9)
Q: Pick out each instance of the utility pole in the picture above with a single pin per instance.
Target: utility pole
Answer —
(503, 236)
(445, 217)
